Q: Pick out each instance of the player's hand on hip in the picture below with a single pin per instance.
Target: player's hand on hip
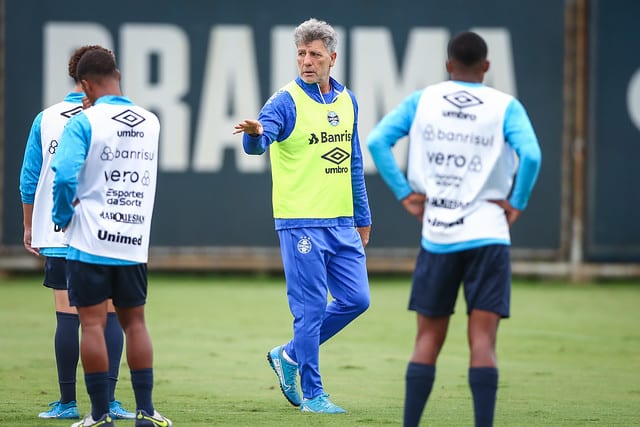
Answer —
(511, 213)
(414, 204)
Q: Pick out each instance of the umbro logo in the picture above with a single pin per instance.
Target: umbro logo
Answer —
(462, 99)
(70, 113)
(129, 118)
(336, 156)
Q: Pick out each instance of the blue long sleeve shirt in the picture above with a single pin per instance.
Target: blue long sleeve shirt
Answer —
(278, 118)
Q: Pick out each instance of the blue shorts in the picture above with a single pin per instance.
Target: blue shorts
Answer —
(91, 284)
(55, 273)
(484, 271)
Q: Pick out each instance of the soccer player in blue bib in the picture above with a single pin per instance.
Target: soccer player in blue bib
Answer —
(103, 196)
(320, 208)
(466, 142)
(43, 237)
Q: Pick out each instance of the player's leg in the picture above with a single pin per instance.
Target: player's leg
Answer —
(347, 281)
(303, 254)
(421, 370)
(93, 353)
(340, 261)
(115, 341)
(482, 332)
(434, 290)
(139, 354)
(67, 344)
(483, 371)
(89, 288)
(129, 298)
(487, 291)
(66, 341)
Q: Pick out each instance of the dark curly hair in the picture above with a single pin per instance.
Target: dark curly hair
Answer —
(77, 54)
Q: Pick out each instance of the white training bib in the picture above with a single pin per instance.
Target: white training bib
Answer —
(117, 183)
(458, 157)
(44, 233)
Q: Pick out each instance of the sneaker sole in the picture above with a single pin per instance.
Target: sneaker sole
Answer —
(281, 388)
(73, 417)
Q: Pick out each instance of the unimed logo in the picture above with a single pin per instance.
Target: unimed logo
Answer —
(119, 238)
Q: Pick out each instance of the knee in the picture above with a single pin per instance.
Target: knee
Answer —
(361, 302)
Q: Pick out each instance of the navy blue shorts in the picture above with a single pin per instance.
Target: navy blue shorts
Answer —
(55, 273)
(485, 273)
(90, 284)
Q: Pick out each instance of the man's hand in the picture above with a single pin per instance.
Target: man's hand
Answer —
(27, 242)
(252, 127)
(512, 213)
(414, 204)
(364, 233)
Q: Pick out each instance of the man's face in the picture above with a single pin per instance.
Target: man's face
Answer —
(315, 62)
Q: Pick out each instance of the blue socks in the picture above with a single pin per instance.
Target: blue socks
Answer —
(97, 388)
(101, 385)
(142, 382)
(67, 350)
(114, 338)
(419, 381)
(484, 388)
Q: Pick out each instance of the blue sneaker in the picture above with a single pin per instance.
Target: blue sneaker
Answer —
(156, 420)
(321, 405)
(118, 412)
(88, 421)
(62, 411)
(286, 373)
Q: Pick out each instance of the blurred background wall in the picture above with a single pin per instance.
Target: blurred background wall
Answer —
(204, 65)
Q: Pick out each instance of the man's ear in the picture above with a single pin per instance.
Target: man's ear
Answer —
(449, 66)
(333, 59)
(86, 85)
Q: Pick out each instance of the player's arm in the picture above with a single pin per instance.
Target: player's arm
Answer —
(384, 136)
(361, 210)
(71, 155)
(29, 177)
(27, 214)
(275, 123)
(520, 135)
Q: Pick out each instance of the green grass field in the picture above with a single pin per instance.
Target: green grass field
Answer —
(570, 356)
